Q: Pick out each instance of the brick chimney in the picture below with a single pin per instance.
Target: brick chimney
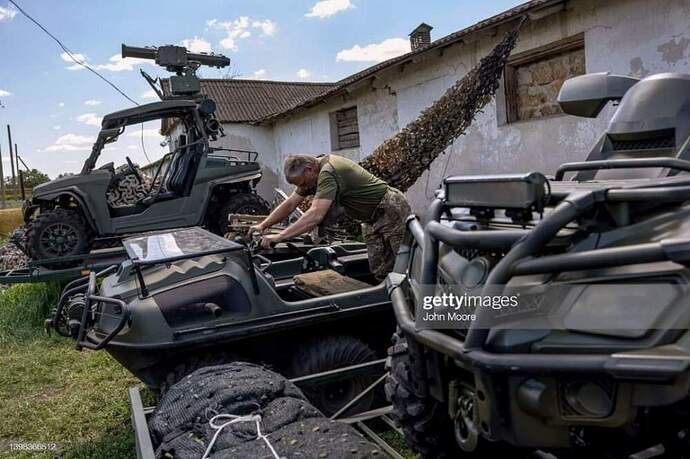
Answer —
(421, 36)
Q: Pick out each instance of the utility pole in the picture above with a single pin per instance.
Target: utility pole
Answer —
(20, 174)
(14, 177)
(2, 182)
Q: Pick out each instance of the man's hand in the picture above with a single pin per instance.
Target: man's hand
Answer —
(258, 228)
(269, 240)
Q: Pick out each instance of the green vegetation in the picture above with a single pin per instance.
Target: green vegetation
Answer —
(50, 393)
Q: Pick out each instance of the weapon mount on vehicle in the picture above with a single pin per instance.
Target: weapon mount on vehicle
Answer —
(177, 59)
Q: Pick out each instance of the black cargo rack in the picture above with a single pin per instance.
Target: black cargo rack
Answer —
(48, 270)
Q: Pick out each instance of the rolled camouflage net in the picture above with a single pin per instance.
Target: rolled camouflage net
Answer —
(294, 428)
(403, 158)
(126, 189)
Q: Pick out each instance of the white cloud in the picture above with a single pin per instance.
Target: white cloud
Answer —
(148, 133)
(327, 8)
(303, 73)
(196, 45)
(57, 127)
(118, 63)
(4, 93)
(260, 74)
(61, 104)
(267, 27)
(78, 57)
(239, 29)
(150, 94)
(90, 118)
(375, 52)
(71, 142)
(7, 14)
(92, 102)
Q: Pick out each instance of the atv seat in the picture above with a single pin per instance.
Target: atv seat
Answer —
(327, 282)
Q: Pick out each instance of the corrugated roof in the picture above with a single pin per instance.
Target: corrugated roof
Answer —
(493, 21)
(251, 100)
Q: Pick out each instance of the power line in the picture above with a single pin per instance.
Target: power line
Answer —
(71, 54)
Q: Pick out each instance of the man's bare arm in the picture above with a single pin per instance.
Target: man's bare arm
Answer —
(311, 218)
(280, 213)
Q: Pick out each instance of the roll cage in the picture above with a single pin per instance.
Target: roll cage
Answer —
(113, 124)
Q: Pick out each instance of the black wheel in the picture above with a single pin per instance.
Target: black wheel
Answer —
(240, 203)
(426, 425)
(330, 353)
(58, 233)
(189, 365)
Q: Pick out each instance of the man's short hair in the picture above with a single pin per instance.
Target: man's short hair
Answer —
(295, 165)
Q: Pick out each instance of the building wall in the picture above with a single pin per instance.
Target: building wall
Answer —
(309, 132)
(634, 37)
(250, 138)
(259, 139)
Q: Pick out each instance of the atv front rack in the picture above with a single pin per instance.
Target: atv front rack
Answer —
(524, 256)
(92, 308)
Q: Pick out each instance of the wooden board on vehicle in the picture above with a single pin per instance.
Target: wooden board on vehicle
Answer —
(327, 282)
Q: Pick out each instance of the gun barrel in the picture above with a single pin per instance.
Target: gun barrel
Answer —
(210, 60)
(142, 53)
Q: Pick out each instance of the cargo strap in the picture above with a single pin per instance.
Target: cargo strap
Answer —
(233, 419)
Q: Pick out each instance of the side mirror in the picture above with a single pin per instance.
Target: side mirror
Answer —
(586, 95)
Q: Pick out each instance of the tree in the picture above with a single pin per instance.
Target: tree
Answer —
(34, 177)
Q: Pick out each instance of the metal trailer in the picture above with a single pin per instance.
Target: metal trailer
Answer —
(48, 270)
(369, 423)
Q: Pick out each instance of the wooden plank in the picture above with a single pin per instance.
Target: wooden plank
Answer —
(327, 282)
(543, 52)
(352, 129)
(347, 114)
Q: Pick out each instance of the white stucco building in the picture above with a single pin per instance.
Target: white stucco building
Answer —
(521, 130)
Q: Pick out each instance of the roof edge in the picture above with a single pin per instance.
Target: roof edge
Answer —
(452, 38)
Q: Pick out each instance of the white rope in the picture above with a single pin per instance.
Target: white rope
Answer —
(233, 419)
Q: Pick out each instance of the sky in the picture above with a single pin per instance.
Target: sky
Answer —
(55, 107)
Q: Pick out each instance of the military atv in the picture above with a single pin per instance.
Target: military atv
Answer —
(578, 343)
(194, 184)
(188, 298)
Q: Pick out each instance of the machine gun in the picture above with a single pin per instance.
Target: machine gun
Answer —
(185, 83)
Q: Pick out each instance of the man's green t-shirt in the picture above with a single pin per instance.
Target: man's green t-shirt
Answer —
(349, 185)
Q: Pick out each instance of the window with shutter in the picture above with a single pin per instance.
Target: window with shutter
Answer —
(344, 129)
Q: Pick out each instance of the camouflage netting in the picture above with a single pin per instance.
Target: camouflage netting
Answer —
(180, 425)
(402, 159)
(126, 189)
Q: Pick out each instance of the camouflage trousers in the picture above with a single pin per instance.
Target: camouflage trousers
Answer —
(385, 232)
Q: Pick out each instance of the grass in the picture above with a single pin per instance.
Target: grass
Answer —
(50, 393)
(10, 219)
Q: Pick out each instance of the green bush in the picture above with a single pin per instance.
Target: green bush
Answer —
(23, 308)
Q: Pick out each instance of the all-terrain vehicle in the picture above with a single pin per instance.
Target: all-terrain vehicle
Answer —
(188, 298)
(574, 335)
(194, 184)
